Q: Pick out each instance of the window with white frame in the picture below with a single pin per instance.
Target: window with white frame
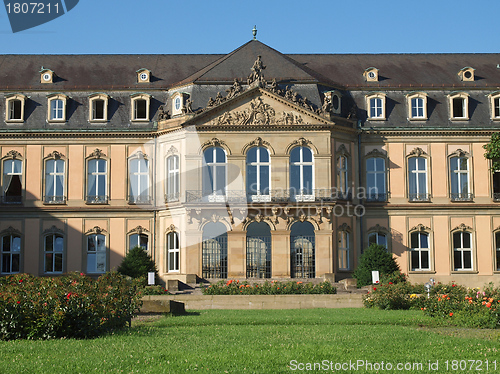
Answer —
(301, 173)
(258, 172)
(342, 174)
(53, 253)
(417, 106)
(98, 108)
(496, 186)
(139, 181)
(96, 253)
(173, 179)
(462, 251)
(55, 181)
(459, 179)
(420, 252)
(138, 240)
(417, 179)
(214, 172)
(173, 251)
(57, 108)
(11, 253)
(377, 238)
(97, 175)
(12, 184)
(140, 107)
(376, 179)
(495, 105)
(343, 250)
(376, 106)
(497, 251)
(459, 106)
(15, 108)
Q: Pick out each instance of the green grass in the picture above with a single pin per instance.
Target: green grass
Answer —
(257, 341)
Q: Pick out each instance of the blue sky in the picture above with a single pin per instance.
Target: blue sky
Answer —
(220, 26)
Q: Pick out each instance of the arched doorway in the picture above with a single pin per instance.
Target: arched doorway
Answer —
(302, 251)
(214, 250)
(258, 250)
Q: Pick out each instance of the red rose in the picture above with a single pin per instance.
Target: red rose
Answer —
(390, 282)
(374, 288)
(451, 314)
(19, 302)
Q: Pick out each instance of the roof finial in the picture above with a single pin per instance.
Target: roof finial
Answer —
(254, 32)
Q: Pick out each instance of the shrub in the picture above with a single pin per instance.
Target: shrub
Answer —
(232, 287)
(393, 292)
(375, 257)
(154, 290)
(70, 306)
(137, 264)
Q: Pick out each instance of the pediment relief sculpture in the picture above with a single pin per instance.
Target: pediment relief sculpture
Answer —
(13, 154)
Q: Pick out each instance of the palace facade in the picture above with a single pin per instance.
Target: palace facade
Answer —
(253, 164)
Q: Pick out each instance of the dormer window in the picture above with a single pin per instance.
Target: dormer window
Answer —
(371, 74)
(495, 105)
(143, 76)
(14, 108)
(56, 108)
(376, 106)
(459, 106)
(98, 107)
(334, 99)
(140, 107)
(177, 103)
(466, 74)
(46, 76)
(417, 106)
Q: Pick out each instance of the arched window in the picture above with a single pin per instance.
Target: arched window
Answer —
(420, 251)
(55, 172)
(342, 175)
(173, 180)
(258, 250)
(417, 179)
(139, 180)
(258, 173)
(12, 187)
(343, 249)
(376, 179)
(173, 251)
(462, 250)
(54, 253)
(214, 174)
(97, 175)
(138, 240)
(96, 253)
(301, 174)
(11, 253)
(302, 251)
(377, 238)
(214, 250)
(459, 178)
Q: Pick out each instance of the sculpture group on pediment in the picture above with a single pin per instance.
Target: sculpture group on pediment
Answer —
(234, 90)
(257, 77)
(163, 113)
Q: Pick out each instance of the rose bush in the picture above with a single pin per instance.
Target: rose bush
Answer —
(235, 287)
(69, 306)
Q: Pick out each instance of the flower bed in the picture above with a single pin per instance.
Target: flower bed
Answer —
(234, 287)
(69, 306)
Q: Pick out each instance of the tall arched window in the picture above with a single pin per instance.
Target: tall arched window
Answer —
(55, 181)
(258, 250)
(173, 251)
(377, 238)
(12, 187)
(54, 253)
(214, 251)
(417, 179)
(459, 179)
(342, 175)
(173, 180)
(96, 253)
(343, 249)
(258, 173)
(376, 179)
(11, 253)
(301, 173)
(214, 173)
(462, 250)
(420, 251)
(302, 251)
(97, 175)
(138, 240)
(139, 180)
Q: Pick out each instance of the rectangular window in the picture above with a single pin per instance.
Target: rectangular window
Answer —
(96, 253)
(54, 251)
(343, 250)
(173, 251)
(139, 181)
(458, 107)
(459, 179)
(496, 186)
(54, 182)
(97, 182)
(11, 254)
(375, 179)
(12, 181)
(98, 109)
(140, 109)
(496, 107)
(419, 251)
(15, 110)
(417, 179)
(497, 246)
(173, 182)
(417, 107)
(57, 109)
(376, 107)
(462, 251)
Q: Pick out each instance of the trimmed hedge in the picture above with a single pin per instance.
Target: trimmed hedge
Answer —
(69, 306)
(234, 287)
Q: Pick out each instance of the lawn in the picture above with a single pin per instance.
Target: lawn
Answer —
(262, 341)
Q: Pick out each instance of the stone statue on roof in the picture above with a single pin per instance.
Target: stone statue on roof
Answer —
(234, 90)
(256, 75)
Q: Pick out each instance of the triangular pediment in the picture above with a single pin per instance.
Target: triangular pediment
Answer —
(258, 107)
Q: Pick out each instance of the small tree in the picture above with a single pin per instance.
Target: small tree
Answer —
(375, 257)
(137, 263)
(493, 151)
